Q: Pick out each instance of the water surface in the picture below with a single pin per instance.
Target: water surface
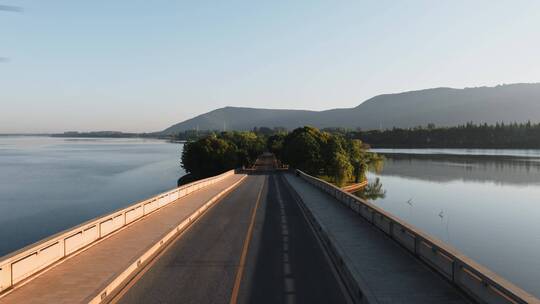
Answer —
(50, 184)
(485, 203)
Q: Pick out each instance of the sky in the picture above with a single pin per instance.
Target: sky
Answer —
(141, 66)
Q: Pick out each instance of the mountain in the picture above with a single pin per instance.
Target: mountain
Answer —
(441, 106)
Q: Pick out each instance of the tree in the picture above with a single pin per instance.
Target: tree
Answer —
(357, 155)
(336, 159)
(470, 135)
(249, 146)
(209, 156)
(302, 150)
(340, 168)
(274, 144)
(335, 155)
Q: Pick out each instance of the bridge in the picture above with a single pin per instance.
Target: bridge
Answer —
(262, 235)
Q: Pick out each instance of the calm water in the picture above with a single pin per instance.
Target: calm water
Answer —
(486, 203)
(50, 184)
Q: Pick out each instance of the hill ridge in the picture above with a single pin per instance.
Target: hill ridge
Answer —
(442, 106)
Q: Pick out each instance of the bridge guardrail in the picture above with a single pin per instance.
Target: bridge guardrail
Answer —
(477, 281)
(20, 265)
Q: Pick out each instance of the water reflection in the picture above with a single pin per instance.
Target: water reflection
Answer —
(447, 168)
(372, 191)
(486, 204)
(50, 184)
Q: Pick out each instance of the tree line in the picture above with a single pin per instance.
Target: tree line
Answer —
(500, 135)
(329, 155)
(214, 153)
(190, 135)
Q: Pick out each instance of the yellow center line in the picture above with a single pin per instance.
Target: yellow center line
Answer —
(245, 247)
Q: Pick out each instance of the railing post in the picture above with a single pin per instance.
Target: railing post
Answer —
(456, 267)
(63, 246)
(98, 225)
(6, 277)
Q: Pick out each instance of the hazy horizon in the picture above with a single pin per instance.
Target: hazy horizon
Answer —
(141, 67)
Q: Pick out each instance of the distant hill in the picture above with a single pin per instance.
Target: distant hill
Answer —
(441, 106)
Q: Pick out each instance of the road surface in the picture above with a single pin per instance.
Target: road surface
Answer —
(252, 247)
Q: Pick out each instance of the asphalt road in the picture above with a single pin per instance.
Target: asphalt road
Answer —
(267, 255)
(290, 266)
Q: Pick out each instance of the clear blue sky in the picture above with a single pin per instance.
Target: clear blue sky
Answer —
(144, 65)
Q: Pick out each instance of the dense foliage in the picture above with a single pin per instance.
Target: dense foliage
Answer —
(500, 135)
(324, 154)
(316, 152)
(191, 135)
(214, 154)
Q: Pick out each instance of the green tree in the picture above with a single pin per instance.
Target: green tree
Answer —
(336, 159)
(209, 156)
(340, 168)
(249, 146)
(470, 135)
(274, 144)
(357, 155)
(302, 150)
(335, 155)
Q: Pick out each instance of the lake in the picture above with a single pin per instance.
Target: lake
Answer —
(51, 184)
(485, 203)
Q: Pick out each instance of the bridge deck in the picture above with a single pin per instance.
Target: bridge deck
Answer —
(387, 272)
(283, 262)
(80, 278)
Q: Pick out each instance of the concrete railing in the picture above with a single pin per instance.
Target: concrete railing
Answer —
(26, 262)
(477, 281)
